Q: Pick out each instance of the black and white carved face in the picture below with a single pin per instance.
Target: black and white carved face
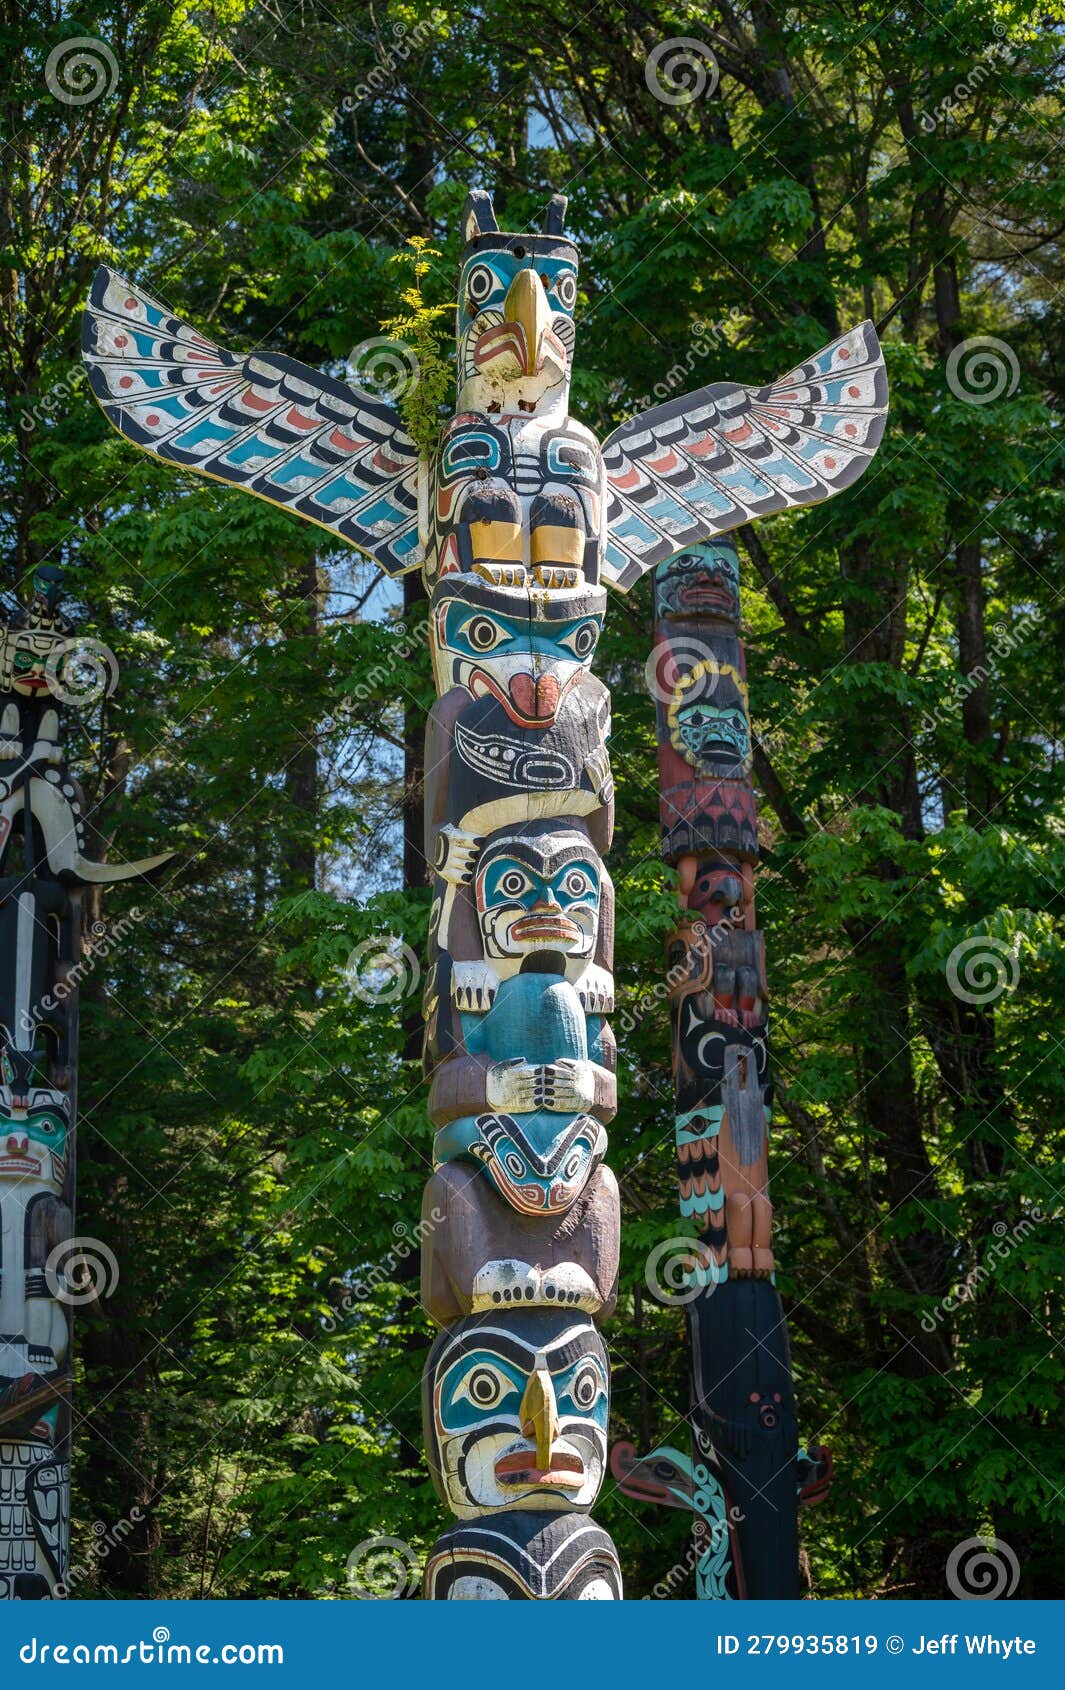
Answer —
(539, 890)
(515, 1412)
(524, 1557)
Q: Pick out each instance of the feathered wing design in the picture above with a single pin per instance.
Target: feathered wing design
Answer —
(328, 452)
(713, 459)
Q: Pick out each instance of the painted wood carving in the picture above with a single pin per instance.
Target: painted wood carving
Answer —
(43, 873)
(745, 1477)
(518, 523)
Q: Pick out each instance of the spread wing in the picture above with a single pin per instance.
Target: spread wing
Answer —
(331, 453)
(713, 459)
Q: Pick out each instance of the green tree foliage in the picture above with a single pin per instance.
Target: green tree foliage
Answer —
(254, 1140)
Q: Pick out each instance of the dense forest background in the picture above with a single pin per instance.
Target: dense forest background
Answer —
(254, 1140)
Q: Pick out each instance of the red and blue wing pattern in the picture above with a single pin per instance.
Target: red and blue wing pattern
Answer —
(330, 453)
(713, 459)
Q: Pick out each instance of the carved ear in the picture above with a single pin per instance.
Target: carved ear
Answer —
(555, 215)
(478, 217)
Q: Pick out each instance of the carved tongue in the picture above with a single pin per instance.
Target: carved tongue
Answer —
(523, 692)
(536, 700)
(547, 690)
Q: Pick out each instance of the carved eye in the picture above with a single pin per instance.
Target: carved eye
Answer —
(582, 640)
(566, 288)
(483, 634)
(485, 1387)
(479, 284)
(586, 1386)
(514, 883)
(576, 883)
(514, 1164)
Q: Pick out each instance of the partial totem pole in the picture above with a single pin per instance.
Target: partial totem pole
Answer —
(517, 524)
(745, 1477)
(43, 875)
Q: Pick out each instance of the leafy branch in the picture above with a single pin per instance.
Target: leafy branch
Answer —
(422, 400)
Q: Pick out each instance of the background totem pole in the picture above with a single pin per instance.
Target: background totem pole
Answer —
(517, 523)
(745, 1478)
(43, 875)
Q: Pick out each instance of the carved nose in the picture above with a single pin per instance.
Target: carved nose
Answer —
(17, 1146)
(547, 900)
(539, 1412)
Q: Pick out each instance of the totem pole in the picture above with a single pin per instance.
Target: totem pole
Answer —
(517, 523)
(744, 1479)
(43, 874)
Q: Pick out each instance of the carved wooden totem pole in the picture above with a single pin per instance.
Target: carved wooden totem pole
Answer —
(518, 523)
(43, 874)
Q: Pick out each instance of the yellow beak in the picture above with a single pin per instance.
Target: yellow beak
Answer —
(539, 1413)
(526, 304)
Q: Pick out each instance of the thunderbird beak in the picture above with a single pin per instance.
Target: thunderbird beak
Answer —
(526, 305)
